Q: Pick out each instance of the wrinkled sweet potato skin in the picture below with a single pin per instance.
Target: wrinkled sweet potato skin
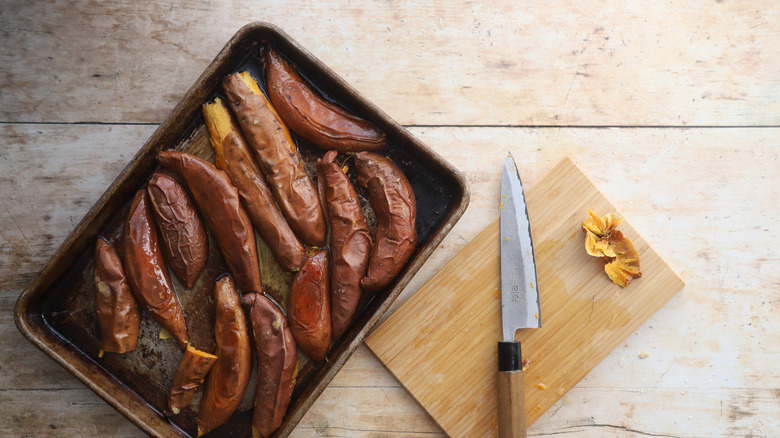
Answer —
(193, 367)
(279, 160)
(309, 306)
(235, 158)
(392, 199)
(219, 202)
(184, 240)
(277, 363)
(350, 241)
(317, 120)
(227, 381)
(117, 310)
(147, 271)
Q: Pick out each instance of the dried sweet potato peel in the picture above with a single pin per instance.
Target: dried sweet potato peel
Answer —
(602, 226)
(603, 240)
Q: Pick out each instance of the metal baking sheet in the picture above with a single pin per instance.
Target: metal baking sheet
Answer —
(57, 313)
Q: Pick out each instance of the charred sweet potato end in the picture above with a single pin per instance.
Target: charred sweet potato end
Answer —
(603, 240)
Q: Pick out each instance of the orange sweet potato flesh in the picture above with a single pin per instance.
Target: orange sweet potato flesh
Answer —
(219, 202)
(350, 241)
(147, 271)
(393, 201)
(227, 381)
(278, 157)
(309, 306)
(235, 158)
(184, 239)
(193, 367)
(277, 363)
(117, 310)
(319, 121)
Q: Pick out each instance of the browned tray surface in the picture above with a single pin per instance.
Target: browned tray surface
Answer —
(56, 311)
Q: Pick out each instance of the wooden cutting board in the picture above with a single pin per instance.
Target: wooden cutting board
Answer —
(441, 343)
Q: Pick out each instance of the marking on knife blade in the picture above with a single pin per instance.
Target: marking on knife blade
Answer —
(515, 293)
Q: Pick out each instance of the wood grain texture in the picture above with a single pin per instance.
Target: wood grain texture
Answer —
(51, 175)
(450, 327)
(429, 63)
(511, 404)
(484, 79)
(711, 354)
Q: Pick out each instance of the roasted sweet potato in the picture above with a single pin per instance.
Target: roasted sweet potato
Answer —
(227, 381)
(235, 158)
(219, 202)
(392, 199)
(117, 310)
(308, 306)
(193, 367)
(278, 157)
(184, 239)
(309, 115)
(277, 363)
(350, 241)
(147, 271)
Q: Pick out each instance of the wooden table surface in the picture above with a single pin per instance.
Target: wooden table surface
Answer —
(671, 108)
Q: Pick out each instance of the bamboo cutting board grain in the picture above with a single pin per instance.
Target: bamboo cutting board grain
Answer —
(441, 343)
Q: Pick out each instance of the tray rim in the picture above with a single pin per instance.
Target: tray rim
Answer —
(35, 328)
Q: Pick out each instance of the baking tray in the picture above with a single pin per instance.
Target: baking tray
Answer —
(56, 311)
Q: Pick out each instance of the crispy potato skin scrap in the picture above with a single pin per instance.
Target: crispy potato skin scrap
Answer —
(319, 121)
(277, 363)
(278, 157)
(235, 158)
(219, 201)
(227, 381)
(118, 315)
(193, 367)
(350, 241)
(393, 201)
(147, 271)
(309, 306)
(184, 240)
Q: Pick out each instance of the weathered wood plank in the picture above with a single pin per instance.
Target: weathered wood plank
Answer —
(51, 175)
(704, 198)
(546, 63)
(61, 412)
(366, 410)
(718, 412)
(79, 412)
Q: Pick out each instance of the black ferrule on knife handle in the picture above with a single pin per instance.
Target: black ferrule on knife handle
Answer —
(509, 356)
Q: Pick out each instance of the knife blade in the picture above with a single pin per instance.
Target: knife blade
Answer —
(520, 306)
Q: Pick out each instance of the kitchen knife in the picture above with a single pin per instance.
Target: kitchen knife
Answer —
(519, 300)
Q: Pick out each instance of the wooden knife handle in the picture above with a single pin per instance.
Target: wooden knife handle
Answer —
(511, 391)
